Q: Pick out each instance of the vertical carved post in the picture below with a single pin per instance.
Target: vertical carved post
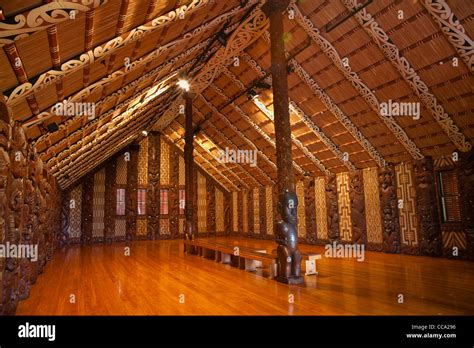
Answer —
(262, 200)
(466, 182)
(356, 195)
(131, 193)
(87, 204)
(389, 209)
(211, 207)
(240, 210)
(228, 219)
(286, 231)
(190, 179)
(426, 207)
(310, 213)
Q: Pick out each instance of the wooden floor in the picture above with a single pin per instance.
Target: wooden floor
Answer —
(150, 281)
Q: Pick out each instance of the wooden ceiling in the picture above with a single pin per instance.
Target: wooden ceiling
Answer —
(124, 57)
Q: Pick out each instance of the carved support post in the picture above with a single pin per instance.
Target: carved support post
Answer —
(466, 182)
(87, 205)
(286, 231)
(356, 195)
(110, 200)
(189, 169)
(228, 222)
(153, 194)
(174, 192)
(211, 207)
(332, 209)
(310, 213)
(389, 209)
(262, 212)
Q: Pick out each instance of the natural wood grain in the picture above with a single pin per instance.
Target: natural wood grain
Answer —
(150, 280)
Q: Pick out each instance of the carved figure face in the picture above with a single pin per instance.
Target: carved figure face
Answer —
(288, 207)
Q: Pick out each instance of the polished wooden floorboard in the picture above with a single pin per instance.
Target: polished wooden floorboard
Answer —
(151, 280)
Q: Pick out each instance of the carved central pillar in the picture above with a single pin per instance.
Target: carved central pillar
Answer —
(189, 168)
(286, 230)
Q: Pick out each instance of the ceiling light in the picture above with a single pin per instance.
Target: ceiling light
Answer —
(144, 133)
(184, 84)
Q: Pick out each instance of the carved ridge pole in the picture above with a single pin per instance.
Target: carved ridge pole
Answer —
(286, 235)
(189, 170)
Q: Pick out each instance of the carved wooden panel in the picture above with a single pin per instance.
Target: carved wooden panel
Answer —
(389, 209)
(174, 192)
(228, 222)
(110, 200)
(142, 180)
(356, 195)
(372, 209)
(269, 214)
(75, 216)
(164, 163)
(202, 203)
(249, 208)
(344, 207)
(255, 223)
(321, 209)
(426, 207)
(332, 209)
(301, 209)
(219, 199)
(310, 211)
(165, 229)
(142, 228)
(153, 193)
(131, 192)
(406, 194)
(262, 216)
(98, 206)
(211, 207)
(244, 214)
(235, 212)
(87, 205)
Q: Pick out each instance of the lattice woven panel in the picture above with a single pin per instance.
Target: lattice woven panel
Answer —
(406, 192)
(301, 209)
(98, 204)
(164, 163)
(182, 173)
(269, 208)
(372, 206)
(202, 203)
(75, 214)
(143, 163)
(120, 227)
(344, 207)
(321, 209)
(454, 239)
(220, 227)
(181, 226)
(164, 226)
(121, 170)
(142, 227)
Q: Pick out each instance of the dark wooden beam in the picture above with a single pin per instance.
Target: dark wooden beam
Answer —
(189, 167)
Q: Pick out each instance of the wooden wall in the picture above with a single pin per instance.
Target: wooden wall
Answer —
(30, 208)
(153, 164)
(394, 209)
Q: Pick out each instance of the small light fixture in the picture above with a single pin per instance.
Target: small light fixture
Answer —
(184, 84)
(144, 133)
(252, 94)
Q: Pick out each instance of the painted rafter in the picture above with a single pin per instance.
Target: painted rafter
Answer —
(255, 126)
(403, 66)
(42, 17)
(452, 30)
(112, 46)
(243, 36)
(364, 91)
(229, 141)
(180, 144)
(215, 159)
(269, 115)
(237, 131)
(335, 110)
(298, 112)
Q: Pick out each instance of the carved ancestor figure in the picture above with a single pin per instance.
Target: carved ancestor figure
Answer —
(286, 235)
(356, 194)
(388, 205)
(332, 209)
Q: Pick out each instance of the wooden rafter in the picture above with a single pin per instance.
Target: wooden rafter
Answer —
(403, 66)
